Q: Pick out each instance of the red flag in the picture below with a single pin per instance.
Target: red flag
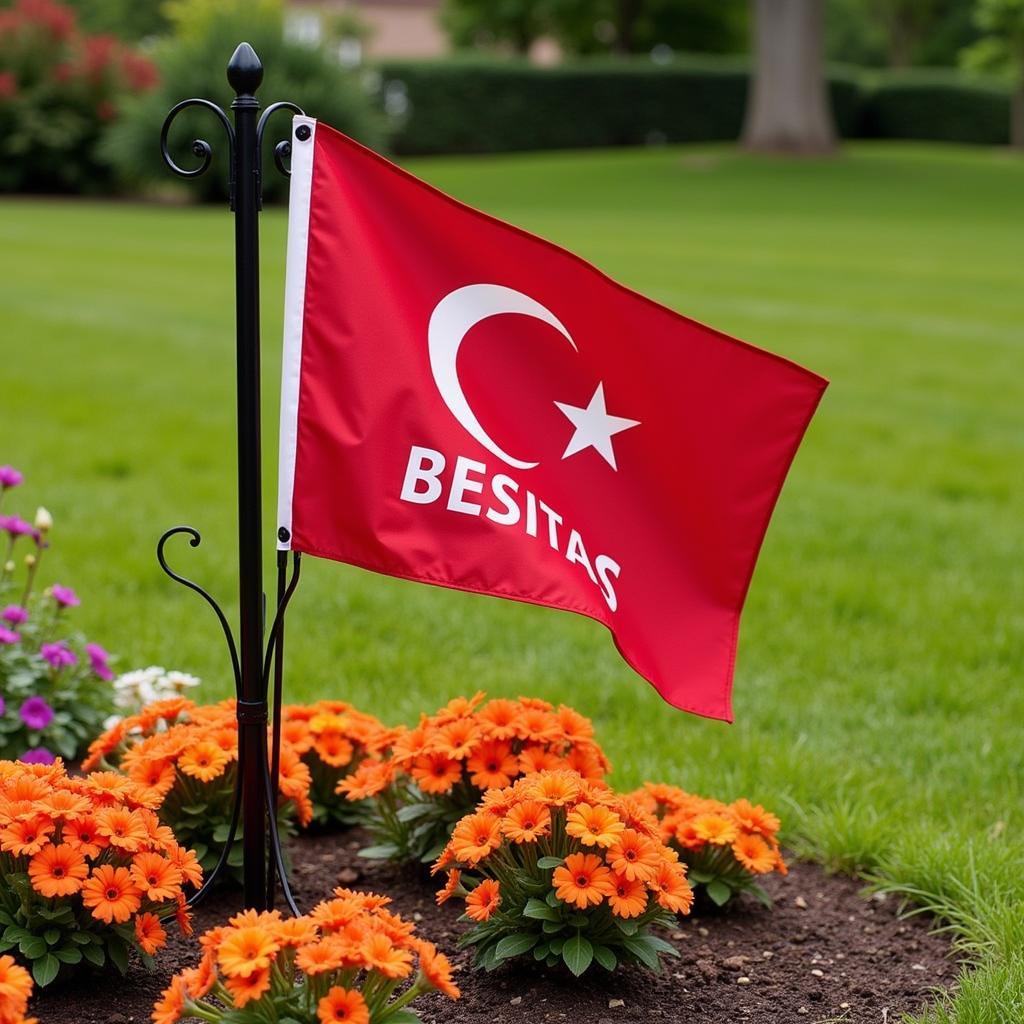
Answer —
(468, 405)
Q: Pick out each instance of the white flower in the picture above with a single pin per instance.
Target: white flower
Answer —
(179, 682)
(44, 521)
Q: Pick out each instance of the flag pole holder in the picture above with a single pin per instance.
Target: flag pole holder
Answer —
(258, 654)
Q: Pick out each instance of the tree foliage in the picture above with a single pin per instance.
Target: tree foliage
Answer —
(599, 26)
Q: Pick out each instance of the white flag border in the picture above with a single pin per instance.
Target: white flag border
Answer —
(299, 192)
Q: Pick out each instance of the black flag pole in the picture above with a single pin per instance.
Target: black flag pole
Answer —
(258, 651)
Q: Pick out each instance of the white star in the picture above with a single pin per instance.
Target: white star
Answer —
(594, 427)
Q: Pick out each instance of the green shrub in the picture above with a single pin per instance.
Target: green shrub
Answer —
(937, 106)
(59, 87)
(193, 63)
(471, 106)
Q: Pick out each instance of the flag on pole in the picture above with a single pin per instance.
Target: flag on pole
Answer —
(468, 405)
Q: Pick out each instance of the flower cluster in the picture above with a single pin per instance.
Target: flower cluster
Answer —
(349, 960)
(436, 773)
(332, 738)
(50, 68)
(87, 871)
(54, 692)
(133, 691)
(186, 756)
(15, 989)
(726, 846)
(560, 867)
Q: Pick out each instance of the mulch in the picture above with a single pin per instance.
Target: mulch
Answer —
(824, 953)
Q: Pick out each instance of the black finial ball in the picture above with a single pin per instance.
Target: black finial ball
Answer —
(245, 72)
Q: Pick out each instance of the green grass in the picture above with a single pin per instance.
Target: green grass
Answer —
(878, 702)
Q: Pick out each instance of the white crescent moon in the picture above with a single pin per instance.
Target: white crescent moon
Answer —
(450, 322)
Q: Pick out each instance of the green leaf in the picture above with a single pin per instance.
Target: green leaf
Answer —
(383, 851)
(577, 954)
(541, 951)
(642, 950)
(94, 954)
(539, 910)
(516, 943)
(719, 892)
(45, 969)
(660, 945)
(51, 936)
(118, 953)
(550, 862)
(627, 927)
(413, 811)
(32, 946)
(700, 877)
(552, 927)
(760, 895)
(605, 957)
(68, 954)
(221, 833)
(556, 945)
(552, 899)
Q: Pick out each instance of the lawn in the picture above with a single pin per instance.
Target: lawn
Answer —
(878, 704)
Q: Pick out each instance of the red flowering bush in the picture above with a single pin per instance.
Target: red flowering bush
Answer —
(560, 868)
(87, 872)
(436, 773)
(349, 960)
(186, 757)
(59, 87)
(726, 846)
(332, 738)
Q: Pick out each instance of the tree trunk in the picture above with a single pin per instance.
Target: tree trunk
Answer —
(627, 12)
(1017, 115)
(788, 107)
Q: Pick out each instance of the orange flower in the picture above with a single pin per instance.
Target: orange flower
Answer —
(716, 829)
(458, 739)
(156, 876)
(754, 818)
(83, 836)
(629, 898)
(436, 773)
(150, 935)
(57, 871)
(475, 837)
(527, 822)
(109, 787)
(672, 889)
(493, 765)
(295, 932)
(370, 778)
(484, 900)
(246, 951)
(15, 988)
(171, 1004)
(111, 894)
(245, 988)
(204, 761)
(185, 861)
(500, 718)
(450, 886)
(437, 969)
(62, 803)
(634, 855)
(26, 837)
(575, 728)
(754, 854)
(582, 880)
(319, 958)
(343, 1006)
(594, 826)
(334, 749)
(123, 828)
(538, 759)
(381, 955)
(556, 788)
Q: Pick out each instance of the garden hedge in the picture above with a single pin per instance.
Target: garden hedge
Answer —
(469, 106)
(461, 106)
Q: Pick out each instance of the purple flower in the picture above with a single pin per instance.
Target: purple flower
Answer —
(3, 706)
(9, 477)
(99, 659)
(36, 713)
(37, 755)
(64, 596)
(16, 527)
(14, 614)
(58, 655)
(8, 636)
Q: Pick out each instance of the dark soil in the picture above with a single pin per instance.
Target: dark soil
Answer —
(825, 953)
